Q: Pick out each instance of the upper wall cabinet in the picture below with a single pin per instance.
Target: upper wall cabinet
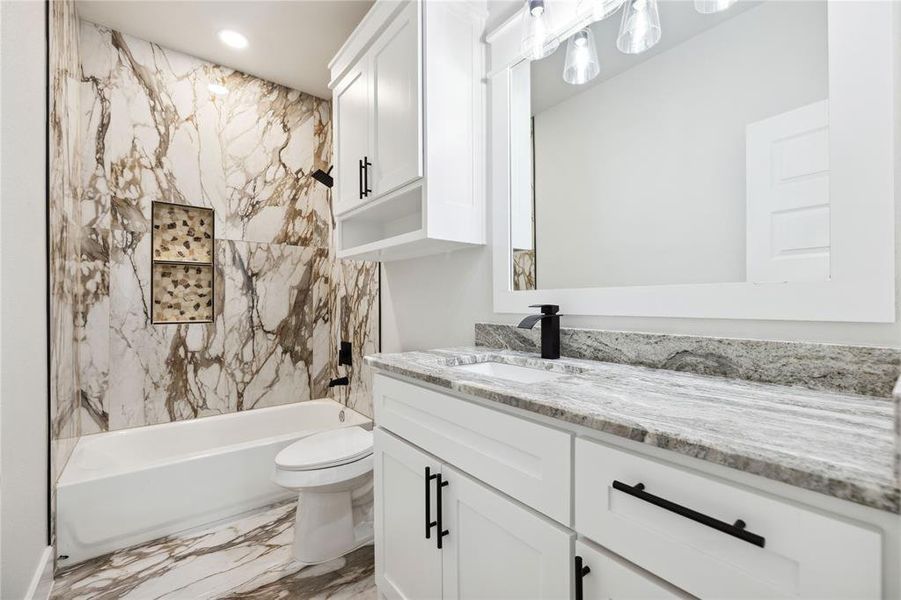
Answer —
(409, 131)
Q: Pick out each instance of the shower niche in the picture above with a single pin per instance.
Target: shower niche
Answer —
(183, 273)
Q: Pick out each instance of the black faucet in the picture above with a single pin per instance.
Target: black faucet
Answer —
(550, 328)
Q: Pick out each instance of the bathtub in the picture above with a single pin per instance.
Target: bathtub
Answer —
(127, 487)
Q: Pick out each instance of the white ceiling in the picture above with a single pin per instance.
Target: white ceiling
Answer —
(291, 41)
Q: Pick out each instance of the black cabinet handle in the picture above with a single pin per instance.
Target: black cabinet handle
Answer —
(581, 571)
(366, 165)
(429, 523)
(736, 529)
(441, 531)
(360, 177)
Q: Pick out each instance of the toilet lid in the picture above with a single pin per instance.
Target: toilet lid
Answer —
(326, 449)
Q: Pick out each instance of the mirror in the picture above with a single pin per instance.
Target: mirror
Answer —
(704, 159)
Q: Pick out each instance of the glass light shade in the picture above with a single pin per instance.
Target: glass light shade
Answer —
(581, 64)
(597, 10)
(536, 27)
(640, 28)
(708, 7)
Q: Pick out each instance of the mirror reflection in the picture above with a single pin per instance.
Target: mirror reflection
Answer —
(693, 149)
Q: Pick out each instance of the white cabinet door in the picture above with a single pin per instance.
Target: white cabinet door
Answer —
(407, 565)
(608, 577)
(496, 548)
(397, 103)
(351, 136)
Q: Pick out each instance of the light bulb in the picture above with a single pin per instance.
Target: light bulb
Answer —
(581, 65)
(536, 40)
(232, 39)
(708, 7)
(640, 28)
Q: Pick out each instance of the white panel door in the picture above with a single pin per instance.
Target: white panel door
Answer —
(496, 548)
(351, 99)
(609, 577)
(397, 104)
(788, 196)
(407, 565)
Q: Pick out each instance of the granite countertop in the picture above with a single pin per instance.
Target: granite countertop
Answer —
(842, 445)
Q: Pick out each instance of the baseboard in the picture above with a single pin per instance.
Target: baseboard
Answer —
(42, 580)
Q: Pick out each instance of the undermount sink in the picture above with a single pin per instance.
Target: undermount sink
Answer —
(510, 372)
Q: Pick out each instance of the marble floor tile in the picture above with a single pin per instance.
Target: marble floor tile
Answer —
(245, 557)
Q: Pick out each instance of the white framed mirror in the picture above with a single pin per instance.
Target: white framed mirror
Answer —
(742, 167)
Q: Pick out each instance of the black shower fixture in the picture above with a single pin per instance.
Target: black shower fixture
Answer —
(324, 177)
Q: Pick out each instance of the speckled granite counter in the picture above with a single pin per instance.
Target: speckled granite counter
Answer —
(842, 445)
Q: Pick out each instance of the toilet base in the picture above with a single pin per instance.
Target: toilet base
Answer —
(329, 525)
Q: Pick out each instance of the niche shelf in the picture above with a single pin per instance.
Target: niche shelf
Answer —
(183, 274)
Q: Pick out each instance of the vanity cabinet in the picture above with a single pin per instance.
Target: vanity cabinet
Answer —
(442, 534)
(526, 507)
(408, 98)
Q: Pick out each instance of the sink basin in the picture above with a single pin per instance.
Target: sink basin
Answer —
(510, 372)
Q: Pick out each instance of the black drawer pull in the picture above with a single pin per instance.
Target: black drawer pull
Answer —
(736, 529)
(429, 523)
(581, 571)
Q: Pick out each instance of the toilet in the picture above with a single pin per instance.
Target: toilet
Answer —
(332, 473)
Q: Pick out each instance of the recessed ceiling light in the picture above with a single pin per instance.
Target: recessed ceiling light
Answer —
(232, 38)
(218, 89)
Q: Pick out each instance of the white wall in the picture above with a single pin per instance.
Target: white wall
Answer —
(23, 323)
(640, 180)
(433, 302)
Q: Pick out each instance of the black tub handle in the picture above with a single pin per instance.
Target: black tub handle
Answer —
(736, 529)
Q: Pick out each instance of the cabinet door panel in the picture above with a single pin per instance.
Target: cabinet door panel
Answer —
(351, 135)
(407, 565)
(496, 548)
(397, 93)
(612, 578)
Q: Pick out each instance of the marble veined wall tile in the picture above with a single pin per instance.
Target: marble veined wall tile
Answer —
(357, 289)
(94, 329)
(523, 269)
(64, 254)
(157, 133)
(153, 132)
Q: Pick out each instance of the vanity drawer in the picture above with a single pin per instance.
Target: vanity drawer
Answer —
(805, 553)
(611, 578)
(527, 461)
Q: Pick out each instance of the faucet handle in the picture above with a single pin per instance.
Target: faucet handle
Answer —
(546, 309)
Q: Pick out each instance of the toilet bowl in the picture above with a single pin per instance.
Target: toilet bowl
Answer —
(332, 473)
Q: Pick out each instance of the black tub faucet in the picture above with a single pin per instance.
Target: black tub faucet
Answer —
(550, 328)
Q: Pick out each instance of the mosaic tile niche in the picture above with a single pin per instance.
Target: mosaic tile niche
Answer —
(183, 274)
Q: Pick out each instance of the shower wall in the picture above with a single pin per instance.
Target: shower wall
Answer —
(63, 234)
(151, 130)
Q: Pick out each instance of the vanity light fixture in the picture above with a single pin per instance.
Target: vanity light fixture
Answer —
(708, 7)
(640, 27)
(598, 10)
(536, 42)
(217, 89)
(581, 65)
(232, 39)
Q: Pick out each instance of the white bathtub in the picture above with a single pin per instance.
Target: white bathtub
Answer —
(127, 487)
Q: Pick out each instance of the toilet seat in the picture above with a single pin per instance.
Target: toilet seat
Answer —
(326, 449)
